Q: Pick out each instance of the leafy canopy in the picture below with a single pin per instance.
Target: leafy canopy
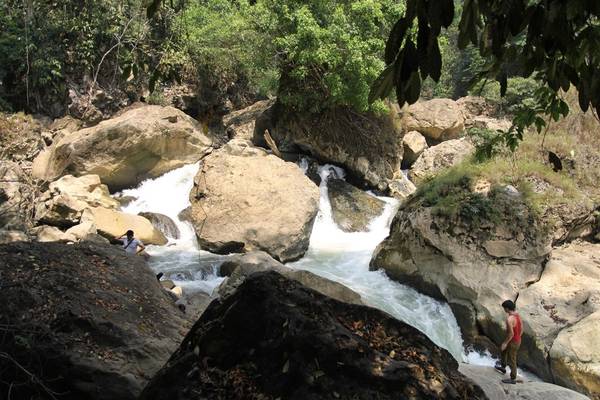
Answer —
(554, 41)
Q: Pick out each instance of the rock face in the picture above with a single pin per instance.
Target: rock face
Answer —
(437, 119)
(367, 146)
(414, 144)
(88, 321)
(245, 199)
(67, 197)
(17, 197)
(274, 338)
(351, 208)
(141, 143)
(111, 224)
(488, 379)
(437, 158)
(401, 187)
(240, 267)
(163, 223)
(240, 124)
(473, 265)
(562, 311)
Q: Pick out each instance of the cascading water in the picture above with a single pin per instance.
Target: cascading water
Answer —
(344, 257)
(334, 254)
(181, 259)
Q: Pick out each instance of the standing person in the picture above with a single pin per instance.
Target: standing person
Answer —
(130, 244)
(510, 346)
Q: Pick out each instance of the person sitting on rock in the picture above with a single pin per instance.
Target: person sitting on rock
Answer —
(510, 346)
(131, 245)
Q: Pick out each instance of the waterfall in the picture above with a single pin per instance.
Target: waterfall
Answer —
(344, 257)
(181, 259)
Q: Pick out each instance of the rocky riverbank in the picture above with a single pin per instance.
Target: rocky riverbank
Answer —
(465, 233)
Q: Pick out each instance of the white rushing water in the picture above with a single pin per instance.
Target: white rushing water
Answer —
(344, 257)
(334, 254)
(181, 259)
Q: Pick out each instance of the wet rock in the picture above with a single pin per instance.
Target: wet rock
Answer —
(438, 119)
(437, 158)
(141, 143)
(245, 199)
(88, 321)
(401, 187)
(489, 380)
(239, 267)
(277, 339)
(185, 214)
(352, 209)
(112, 224)
(163, 223)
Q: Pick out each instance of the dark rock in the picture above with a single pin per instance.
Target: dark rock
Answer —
(17, 197)
(163, 223)
(352, 209)
(185, 214)
(275, 338)
(86, 320)
(368, 146)
(239, 267)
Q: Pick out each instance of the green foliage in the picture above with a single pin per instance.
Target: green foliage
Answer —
(328, 52)
(513, 37)
(450, 195)
(313, 54)
(488, 143)
(46, 47)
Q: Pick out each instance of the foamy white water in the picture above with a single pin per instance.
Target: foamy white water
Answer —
(181, 259)
(344, 257)
(334, 254)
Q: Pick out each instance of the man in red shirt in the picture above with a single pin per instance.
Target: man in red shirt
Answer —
(510, 346)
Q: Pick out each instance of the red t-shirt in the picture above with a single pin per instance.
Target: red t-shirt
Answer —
(517, 329)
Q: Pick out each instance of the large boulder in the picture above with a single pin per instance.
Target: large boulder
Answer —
(351, 208)
(274, 338)
(369, 147)
(245, 199)
(462, 257)
(141, 143)
(239, 267)
(112, 224)
(562, 311)
(67, 197)
(437, 119)
(438, 158)
(575, 356)
(17, 197)
(85, 321)
(488, 379)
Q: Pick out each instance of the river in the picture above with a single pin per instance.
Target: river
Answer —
(332, 253)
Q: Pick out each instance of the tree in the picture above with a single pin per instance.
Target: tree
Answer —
(555, 41)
